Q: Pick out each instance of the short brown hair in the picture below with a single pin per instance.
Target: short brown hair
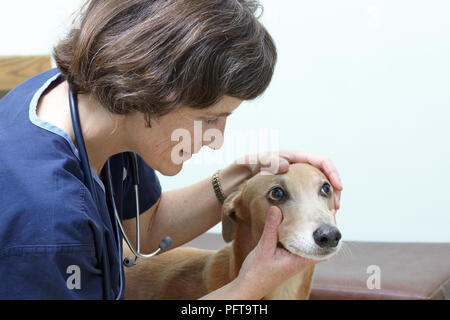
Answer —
(154, 55)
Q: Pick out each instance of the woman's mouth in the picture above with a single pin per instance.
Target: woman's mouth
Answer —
(184, 155)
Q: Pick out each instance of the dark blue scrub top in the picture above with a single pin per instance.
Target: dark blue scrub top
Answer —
(50, 228)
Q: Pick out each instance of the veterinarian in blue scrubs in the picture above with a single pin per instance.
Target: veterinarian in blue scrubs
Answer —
(141, 70)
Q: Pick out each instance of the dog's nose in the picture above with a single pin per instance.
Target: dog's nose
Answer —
(327, 236)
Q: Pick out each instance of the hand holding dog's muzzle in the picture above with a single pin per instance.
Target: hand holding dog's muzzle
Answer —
(268, 265)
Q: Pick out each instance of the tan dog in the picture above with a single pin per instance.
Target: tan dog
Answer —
(308, 229)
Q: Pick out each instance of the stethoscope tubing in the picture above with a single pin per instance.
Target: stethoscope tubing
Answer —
(85, 166)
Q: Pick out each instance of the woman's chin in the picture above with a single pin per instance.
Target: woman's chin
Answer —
(168, 166)
(171, 170)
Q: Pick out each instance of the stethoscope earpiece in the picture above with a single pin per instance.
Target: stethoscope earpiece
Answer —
(129, 262)
(167, 242)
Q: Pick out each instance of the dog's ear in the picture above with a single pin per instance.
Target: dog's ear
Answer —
(229, 215)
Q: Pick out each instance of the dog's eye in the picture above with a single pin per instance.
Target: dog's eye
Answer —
(277, 194)
(326, 188)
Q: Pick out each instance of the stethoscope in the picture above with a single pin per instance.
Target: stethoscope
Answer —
(86, 168)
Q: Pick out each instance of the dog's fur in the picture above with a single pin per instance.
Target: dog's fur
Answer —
(189, 273)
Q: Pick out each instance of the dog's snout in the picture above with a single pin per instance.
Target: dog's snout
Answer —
(327, 236)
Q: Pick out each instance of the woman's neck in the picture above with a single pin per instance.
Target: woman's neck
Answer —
(100, 128)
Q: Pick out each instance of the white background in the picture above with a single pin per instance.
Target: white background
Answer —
(366, 83)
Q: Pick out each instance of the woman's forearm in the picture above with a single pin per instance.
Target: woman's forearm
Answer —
(186, 213)
(234, 290)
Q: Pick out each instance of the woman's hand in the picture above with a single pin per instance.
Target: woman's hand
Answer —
(278, 162)
(267, 265)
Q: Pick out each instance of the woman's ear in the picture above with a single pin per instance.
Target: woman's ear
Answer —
(229, 215)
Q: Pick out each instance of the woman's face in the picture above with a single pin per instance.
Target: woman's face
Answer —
(175, 137)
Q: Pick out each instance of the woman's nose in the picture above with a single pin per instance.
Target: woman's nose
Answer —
(214, 137)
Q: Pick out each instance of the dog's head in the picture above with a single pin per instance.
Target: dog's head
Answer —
(304, 196)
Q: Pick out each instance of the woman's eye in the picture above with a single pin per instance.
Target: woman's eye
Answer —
(212, 121)
(326, 188)
(277, 194)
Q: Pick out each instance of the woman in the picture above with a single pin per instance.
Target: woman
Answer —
(141, 70)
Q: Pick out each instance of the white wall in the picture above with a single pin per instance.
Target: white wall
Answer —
(31, 27)
(363, 82)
